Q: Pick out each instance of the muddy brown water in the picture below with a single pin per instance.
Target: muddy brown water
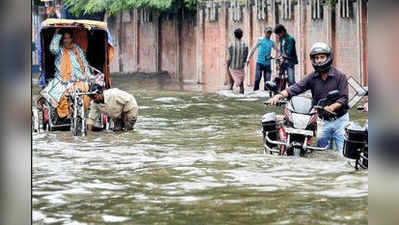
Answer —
(193, 158)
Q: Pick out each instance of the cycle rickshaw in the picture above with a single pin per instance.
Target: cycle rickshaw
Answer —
(95, 41)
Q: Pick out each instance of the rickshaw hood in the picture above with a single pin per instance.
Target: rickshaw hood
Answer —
(88, 24)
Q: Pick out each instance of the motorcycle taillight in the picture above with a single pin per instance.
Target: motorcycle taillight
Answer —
(309, 142)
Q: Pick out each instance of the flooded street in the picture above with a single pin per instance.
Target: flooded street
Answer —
(193, 158)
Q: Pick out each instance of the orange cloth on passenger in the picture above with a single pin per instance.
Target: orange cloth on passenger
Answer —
(63, 105)
(62, 108)
(66, 65)
(66, 70)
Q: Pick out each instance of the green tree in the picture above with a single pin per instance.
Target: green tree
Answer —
(115, 6)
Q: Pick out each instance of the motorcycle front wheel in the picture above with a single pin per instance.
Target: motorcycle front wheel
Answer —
(297, 152)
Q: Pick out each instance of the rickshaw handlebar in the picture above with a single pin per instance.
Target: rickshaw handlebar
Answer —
(78, 93)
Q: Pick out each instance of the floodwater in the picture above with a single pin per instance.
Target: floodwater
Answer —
(193, 158)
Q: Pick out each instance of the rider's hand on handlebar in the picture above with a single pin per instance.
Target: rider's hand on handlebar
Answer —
(366, 107)
(329, 109)
(274, 100)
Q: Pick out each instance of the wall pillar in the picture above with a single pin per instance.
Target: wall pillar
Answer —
(200, 46)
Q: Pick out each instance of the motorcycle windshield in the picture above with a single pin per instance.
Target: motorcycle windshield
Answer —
(299, 104)
(300, 121)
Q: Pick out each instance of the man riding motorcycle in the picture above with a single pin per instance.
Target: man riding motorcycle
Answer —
(321, 81)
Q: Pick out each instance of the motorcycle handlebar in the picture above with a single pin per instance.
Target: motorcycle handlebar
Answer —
(272, 58)
(322, 108)
(80, 93)
(279, 103)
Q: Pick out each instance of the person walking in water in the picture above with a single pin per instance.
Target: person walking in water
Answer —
(264, 46)
(287, 52)
(237, 53)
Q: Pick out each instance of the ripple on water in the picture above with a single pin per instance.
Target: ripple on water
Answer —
(75, 223)
(36, 215)
(167, 99)
(114, 219)
(248, 93)
(188, 164)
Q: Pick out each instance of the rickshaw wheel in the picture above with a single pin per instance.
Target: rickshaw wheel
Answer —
(34, 130)
(77, 131)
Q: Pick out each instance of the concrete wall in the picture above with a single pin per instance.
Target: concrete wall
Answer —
(129, 52)
(193, 49)
(351, 42)
(346, 49)
(188, 51)
(168, 47)
(148, 46)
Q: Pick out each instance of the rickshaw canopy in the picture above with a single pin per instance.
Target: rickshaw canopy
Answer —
(92, 36)
(88, 24)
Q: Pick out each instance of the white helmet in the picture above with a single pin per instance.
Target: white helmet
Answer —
(321, 48)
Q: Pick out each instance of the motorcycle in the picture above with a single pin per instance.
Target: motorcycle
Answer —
(356, 142)
(293, 135)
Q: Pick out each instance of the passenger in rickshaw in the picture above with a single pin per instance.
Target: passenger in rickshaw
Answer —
(71, 66)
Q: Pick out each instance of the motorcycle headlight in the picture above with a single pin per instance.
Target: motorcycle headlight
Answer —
(300, 120)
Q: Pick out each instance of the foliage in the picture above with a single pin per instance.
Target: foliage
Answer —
(77, 7)
(330, 3)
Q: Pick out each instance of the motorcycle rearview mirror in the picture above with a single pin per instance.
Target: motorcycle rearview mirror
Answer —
(272, 86)
(360, 108)
(366, 88)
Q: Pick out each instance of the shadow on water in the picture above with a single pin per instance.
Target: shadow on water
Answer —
(193, 158)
